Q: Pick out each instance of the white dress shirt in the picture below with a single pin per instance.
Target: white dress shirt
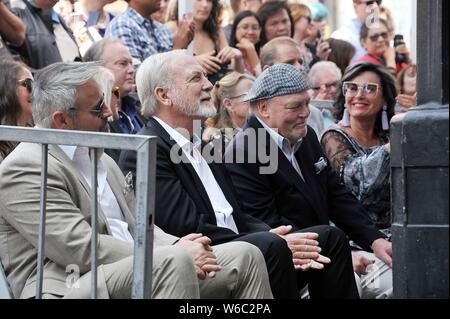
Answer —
(222, 209)
(106, 198)
(285, 146)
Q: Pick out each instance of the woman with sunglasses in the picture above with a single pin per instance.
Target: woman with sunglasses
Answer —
(358, 149)
(375, 39)
(15, 99)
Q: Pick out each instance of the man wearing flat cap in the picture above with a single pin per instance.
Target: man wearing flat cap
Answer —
(303, 191)
(195, 194)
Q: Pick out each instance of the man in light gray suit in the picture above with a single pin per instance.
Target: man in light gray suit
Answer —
(65, 96)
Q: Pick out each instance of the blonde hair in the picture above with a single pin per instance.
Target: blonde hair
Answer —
(298, 11)
(225, 88)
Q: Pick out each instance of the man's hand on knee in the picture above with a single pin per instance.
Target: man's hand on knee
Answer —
(198, 247)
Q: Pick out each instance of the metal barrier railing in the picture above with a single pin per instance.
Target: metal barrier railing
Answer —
(145, 146)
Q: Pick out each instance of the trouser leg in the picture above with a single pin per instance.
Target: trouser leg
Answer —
(173, 276)
(278, 259)
(243, 274)
(337, 279)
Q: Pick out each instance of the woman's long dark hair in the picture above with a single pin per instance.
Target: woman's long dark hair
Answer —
(10, 108)
(211, 25)
(388, 90)
(267, 10)
(241, 16)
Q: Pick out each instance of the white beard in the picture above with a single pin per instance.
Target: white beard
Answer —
(196, 110)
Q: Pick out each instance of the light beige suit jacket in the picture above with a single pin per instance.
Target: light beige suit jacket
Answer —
(68, 229)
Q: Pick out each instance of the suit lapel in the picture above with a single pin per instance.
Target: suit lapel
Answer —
(305, 158)
(187, 166)
(285, 167)
(60, 156)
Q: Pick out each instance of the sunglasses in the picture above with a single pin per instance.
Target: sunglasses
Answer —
(375, 36)
(351, 89)
(26, 83)
(97, 110)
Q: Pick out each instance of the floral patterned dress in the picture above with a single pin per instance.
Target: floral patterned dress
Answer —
(365, 171)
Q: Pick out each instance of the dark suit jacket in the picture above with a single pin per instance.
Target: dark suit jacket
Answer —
(283, 198)
(182, 204)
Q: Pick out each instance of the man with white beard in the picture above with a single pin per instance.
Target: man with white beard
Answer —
(193, 195)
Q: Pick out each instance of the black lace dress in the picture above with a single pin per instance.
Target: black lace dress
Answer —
(365, 171)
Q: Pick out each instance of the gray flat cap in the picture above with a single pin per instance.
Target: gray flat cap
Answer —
(277, 80)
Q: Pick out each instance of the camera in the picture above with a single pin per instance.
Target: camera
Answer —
(399, 57)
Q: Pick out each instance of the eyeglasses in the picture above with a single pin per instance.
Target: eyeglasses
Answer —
(247, 27)
(327, 86)
(351, 89)
(370, 2)
(375, 36)
(97, 110)
(26, 83)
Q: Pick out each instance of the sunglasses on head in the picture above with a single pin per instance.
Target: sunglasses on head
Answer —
(26, 83)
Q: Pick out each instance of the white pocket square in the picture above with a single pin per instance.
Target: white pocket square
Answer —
(320, 165)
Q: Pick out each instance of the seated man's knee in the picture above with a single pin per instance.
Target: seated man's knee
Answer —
(249, 252)
(329, 232)
(171, 256)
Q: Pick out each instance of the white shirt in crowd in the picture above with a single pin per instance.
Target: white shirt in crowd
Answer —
(222, 209)
(106, 198)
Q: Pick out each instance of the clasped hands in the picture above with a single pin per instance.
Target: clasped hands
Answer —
(305, 248)
(205, 261)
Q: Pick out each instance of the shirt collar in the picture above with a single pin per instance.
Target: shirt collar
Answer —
(74, 150)
(179, 138)
(138, 18)
(282, 142)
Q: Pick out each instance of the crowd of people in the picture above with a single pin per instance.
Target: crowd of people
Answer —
(272, 172)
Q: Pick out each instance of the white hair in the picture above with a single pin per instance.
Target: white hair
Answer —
(55, 88)
(105, 79)
(321, 66)
(155, 72)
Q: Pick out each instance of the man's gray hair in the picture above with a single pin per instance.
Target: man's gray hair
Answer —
(154, 72)
(319, 67)
(95, 51)
(55, 88)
